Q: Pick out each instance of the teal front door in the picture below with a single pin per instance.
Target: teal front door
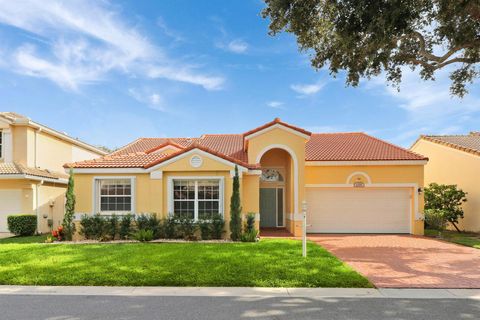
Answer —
(271, 207)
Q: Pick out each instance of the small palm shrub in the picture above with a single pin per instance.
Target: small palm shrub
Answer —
(143, 235)
(150, 222)
(218, 225)
(22, 224)
(250, 234)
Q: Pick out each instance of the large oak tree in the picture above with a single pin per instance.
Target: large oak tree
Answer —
(368, 37)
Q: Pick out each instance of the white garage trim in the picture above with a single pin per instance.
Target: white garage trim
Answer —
(407, 226)
(414, 186)
(295, 168)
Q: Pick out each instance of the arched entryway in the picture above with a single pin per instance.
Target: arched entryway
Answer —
(277, 187)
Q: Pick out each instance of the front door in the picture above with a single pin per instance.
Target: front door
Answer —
(271, 207)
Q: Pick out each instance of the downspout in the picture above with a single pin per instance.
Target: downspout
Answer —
(36, 205)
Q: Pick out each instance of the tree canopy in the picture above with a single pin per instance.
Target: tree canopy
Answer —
(365, 38)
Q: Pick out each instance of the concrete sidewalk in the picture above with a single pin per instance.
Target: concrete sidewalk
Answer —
(244, 292)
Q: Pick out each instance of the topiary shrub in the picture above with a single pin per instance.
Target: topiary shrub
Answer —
(22, 224)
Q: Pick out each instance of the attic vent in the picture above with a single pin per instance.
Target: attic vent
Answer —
(196, 161)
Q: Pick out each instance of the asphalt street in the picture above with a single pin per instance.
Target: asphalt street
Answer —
(48, 307)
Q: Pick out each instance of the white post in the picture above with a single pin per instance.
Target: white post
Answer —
(304, 233)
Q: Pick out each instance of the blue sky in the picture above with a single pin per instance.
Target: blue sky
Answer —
(110, 72)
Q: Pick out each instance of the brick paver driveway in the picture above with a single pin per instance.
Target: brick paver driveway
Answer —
(398, 261)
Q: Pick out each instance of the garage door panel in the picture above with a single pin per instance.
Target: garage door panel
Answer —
(358, 210)
(10, 203)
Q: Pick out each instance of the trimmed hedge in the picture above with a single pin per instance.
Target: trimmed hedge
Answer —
(22, 224)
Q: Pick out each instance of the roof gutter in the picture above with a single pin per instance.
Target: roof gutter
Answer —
(31, 177)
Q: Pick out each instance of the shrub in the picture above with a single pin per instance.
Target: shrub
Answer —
(435, 219)
(95, 227)
(150, 222)
(447, 198)
(235, 209)
(58, 234)
(126, 228)
(249, 236)
(112, 226)
(250, 222)
(143, 235)
(170, 227)
(22, 224)
(187, 228)
(68, 223)
(205, 229)
(218, 225)
(86, 223)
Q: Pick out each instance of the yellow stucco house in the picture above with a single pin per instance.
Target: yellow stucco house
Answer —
(455, 159)
(32, 177)
(350, 182)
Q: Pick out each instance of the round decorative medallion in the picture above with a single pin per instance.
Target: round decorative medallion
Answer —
(196, 161)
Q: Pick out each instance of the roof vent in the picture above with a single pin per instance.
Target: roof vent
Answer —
(196, 161)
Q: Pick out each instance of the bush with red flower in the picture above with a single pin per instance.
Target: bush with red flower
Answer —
(58, 234)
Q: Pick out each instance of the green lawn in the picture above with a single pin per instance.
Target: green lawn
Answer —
(23, 240)
(269, 263)
(465, 238)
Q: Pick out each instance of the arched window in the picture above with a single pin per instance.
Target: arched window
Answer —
(271, 175)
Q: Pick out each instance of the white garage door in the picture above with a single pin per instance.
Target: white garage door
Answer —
(358, 210)
(10, 203)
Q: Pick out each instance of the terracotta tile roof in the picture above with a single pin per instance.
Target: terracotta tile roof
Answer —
(145, 144)
(11, 168)
(129, 160)
(206, 149)
(354, 146)
(321, 147)
(469, 143)
(274, 122)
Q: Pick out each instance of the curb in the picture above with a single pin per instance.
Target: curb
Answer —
(313, 293)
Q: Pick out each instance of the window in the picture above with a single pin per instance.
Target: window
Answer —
(196, 199)
(271, 175)
(114, 195)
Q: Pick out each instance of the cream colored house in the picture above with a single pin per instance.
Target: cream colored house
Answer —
(455, 159)
(32, 177)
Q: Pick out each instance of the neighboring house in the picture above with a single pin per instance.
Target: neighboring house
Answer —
(32, 177)
(455, 159)
(351, 182)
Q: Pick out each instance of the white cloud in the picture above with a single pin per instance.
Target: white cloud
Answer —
(428, 105)
(153, 99)
(176, 36)
(83, 41)
(276, 104)
(308, 89)
(238, 46)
